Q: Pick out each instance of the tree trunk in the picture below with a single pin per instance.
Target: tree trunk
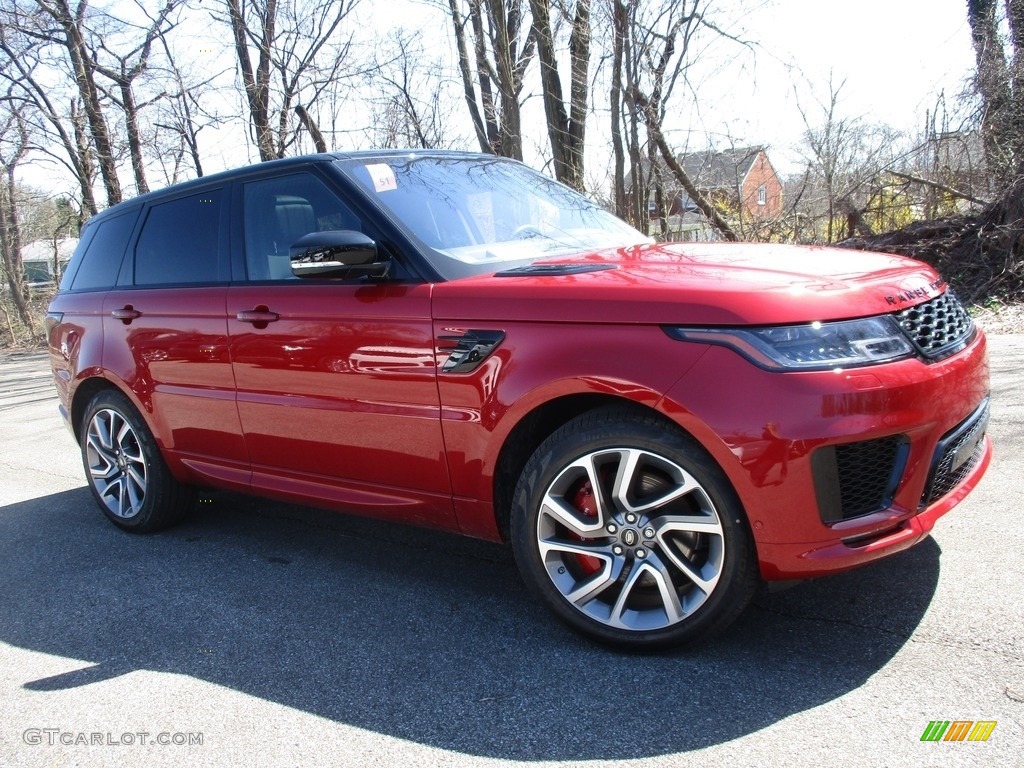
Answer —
(615, 102)
(84, 166)
(993, 84)
(492, 119)
(311, 126)
(131, 119)
(566, 130)
(510, 129)
(257, 83)
(77, 49)
(468, 90)
(10, 244)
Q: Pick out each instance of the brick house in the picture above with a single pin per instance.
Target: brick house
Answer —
(735, 179)
(739, 178)
(730, 178)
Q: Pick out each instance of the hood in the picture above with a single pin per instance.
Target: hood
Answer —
(696, 284)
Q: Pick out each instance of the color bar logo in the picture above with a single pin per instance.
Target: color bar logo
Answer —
(958, 730)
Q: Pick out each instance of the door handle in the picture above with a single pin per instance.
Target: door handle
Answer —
(126, 314)
(259, 316)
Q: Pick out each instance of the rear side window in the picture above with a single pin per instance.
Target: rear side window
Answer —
(96, 262)
(180, 241)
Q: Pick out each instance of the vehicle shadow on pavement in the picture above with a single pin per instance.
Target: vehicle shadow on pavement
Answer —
(422, 636)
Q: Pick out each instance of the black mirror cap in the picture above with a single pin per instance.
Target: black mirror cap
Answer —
(336, 253)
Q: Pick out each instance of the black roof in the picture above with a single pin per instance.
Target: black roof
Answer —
(283, 163)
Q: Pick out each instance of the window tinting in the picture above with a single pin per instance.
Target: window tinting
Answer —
(100, 259)
(280, 211)
(179, 242)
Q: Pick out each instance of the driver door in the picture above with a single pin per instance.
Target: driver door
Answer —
(336, 380)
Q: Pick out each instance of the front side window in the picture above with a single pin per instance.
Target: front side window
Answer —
(279, 211)
(762, 195)
(180, 242)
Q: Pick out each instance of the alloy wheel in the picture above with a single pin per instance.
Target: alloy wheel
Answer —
(630, 539)
(115, 462)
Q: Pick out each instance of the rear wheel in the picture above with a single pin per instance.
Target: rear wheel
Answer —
(127, 475)
(630, 533)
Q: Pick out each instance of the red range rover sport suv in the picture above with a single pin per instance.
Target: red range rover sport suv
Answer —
(456, 341)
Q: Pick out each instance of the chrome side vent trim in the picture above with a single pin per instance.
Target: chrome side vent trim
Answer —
(470, 349)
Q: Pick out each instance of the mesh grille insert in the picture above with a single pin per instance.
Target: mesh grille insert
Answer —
(857, 479)
(957, 454)
(865, 474)
(938, 328)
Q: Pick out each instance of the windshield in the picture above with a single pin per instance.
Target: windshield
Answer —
(476, 214)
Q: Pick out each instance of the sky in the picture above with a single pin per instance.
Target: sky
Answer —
(893, 58)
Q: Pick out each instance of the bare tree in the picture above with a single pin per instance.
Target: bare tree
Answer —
(619, 42)
(68, 29)
(61, 118)
(14, 147)
(183, 114)
(300, 50)
(412, 109)
(125, 69)
(846, 161)
(653, 47)
(566, 126)
(502, 46)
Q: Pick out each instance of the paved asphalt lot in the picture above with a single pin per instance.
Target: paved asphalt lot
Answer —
(285, 636)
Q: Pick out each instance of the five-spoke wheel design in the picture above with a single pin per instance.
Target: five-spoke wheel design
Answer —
(115, 463)
(629, 532)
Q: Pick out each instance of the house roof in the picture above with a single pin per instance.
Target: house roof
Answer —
(708, 170)
(720, 170)
(42, 250)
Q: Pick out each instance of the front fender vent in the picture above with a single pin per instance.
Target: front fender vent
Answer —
(469, 349)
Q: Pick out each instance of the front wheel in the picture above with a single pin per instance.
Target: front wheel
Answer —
(629, 532)
(126, 472)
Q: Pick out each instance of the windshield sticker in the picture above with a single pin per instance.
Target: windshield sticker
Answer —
(383, 177)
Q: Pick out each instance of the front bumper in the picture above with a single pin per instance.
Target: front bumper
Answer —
(899, 531)
(769, 432)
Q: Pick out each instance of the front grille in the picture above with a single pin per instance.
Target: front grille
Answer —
(957, 454)
(858, 478)
(938, 328)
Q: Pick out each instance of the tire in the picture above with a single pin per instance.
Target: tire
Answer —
(127, 475)
(630, 533)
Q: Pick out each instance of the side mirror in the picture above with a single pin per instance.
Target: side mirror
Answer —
(338, 253)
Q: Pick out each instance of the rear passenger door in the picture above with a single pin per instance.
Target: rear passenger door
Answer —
(166, 332)
(336, 380)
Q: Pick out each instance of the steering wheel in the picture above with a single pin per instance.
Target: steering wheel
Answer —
(526, 231)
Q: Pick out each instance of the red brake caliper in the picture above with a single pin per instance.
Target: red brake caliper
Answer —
(585, 502)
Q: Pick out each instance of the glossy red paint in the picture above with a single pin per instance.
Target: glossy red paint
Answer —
(700, 284)
(338, 397)
(172, 357)
(760, 426)
(333, 393)
(764, 442)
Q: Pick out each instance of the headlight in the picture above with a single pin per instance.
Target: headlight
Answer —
(810, 347)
